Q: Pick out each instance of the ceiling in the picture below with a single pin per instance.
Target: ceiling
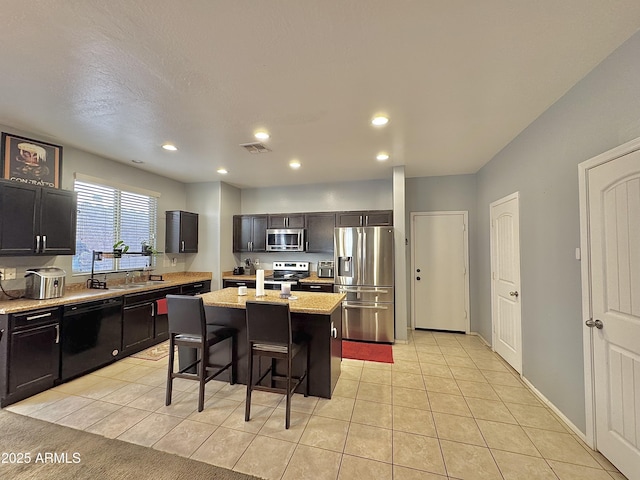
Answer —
(459, 79)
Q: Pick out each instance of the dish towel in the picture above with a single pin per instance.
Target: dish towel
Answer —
(161, 307)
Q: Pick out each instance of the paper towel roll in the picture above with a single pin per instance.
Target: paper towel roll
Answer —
(259, 283)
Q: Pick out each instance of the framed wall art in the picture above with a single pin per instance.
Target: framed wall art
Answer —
(31, 161)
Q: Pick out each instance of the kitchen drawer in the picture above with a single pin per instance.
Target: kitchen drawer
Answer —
(34, 317)
(317, 287)
(196, 288)
(238, 283)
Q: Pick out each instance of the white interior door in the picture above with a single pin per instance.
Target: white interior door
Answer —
(505, 280)
(614, 256)
(440, 282)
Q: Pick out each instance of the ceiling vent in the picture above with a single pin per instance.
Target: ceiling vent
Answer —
(255, 147)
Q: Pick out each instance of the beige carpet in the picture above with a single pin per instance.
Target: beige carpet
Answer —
(99, 457)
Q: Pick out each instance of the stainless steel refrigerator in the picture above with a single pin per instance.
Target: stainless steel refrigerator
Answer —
(364, 272)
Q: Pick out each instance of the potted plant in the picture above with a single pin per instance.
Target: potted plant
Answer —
(119, 248)
(148, 249)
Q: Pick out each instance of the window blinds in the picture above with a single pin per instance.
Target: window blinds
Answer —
(107, 214)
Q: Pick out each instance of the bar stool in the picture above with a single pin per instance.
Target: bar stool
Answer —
(188, 328)
(269, 334)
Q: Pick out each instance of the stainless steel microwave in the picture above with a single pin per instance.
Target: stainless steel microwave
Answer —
(285, 240)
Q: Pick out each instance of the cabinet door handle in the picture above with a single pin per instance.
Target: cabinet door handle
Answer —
(306, 245)
(58, 333)
(42, 315)
(366, 220)
(361, 220)
(44, 243)
(153, 309)
(197, 285)
(37, 243)
(182, 246)
(315, 286)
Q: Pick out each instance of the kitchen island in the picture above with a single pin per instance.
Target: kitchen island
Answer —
(317, 314)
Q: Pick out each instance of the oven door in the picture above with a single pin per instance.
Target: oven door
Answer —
(285, 239)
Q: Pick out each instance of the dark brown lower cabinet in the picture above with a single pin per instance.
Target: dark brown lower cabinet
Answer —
(31, 343)
(137, 326)
(35, 356)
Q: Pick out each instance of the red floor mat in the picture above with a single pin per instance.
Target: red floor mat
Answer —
(373, 352)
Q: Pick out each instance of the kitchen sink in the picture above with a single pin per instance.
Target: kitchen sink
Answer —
(130, 286)
(126, 287)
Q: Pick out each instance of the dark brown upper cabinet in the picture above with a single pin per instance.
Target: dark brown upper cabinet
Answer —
(320, 228)
(181, 232)
(250, 233)
(365, 218)
(36, 220)
(287, 220)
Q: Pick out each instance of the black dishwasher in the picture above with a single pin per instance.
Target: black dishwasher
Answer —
(91, 336)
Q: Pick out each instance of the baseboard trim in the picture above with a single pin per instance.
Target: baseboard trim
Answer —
(555, 409)
(481, 338)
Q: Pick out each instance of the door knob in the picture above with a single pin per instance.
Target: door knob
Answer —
(514, 294)
(594, 323)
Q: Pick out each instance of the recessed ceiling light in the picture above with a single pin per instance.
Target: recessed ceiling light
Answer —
(222, 171)
(137, 161)
(294, 164)
(262, 135)
(382, 157)
(168, 146)
(379, 120)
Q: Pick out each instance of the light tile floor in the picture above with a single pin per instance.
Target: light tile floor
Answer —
(447, 408)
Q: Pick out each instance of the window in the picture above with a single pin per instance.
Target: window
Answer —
(107, 214)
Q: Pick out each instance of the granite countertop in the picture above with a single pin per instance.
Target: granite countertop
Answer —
(306, 302)
(78, 293)
(313, 278)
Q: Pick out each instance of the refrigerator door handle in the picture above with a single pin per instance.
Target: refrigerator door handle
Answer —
(363, 290)
(363, 307)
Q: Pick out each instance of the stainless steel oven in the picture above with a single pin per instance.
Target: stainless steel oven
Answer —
(285, 239)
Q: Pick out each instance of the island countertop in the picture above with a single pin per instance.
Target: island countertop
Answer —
(306, 302)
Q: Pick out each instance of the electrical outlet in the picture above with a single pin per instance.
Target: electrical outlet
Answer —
(174, 261)
(8, 273)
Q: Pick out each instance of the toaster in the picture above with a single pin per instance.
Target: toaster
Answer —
(44, 283)
(325, 269)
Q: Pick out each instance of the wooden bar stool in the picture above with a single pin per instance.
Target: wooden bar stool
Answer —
(269, 335)
(188, 328)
